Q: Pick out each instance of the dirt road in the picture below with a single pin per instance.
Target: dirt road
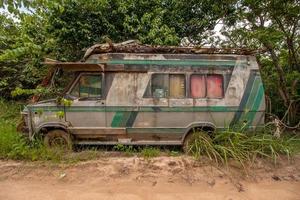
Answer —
(135, 178)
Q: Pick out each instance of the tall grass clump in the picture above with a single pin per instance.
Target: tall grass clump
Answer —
(14, 145)
(240, 146)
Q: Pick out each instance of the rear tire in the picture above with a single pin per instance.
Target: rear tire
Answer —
(58, 139)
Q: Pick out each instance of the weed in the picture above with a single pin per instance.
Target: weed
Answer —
(240, 146)
(174, 153)
(13, 145)
(127, 149)
(150, 152)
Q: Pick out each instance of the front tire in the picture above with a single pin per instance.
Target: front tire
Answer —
(58, 139)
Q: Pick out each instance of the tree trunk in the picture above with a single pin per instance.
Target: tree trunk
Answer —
(282, 81)
(293, 57)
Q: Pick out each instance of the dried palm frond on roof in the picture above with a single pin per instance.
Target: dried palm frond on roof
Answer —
(133, 46)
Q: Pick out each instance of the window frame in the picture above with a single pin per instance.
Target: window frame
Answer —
(190, 85)
(168, 75)
(77, 79)
(205, 76)
(223, 92)
(151, 83)
(185, 86)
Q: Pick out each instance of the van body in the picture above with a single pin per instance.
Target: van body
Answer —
(152, 99)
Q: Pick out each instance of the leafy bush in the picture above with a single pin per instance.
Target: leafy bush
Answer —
(10, 111)
(240, 146)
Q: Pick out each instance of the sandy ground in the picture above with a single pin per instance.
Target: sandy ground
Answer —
(160, 178)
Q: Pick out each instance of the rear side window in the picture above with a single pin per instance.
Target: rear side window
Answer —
(206, 86)
(214, 86)
(198, 86)
(88, 86)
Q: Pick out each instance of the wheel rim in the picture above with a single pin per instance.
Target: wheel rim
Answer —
(58, 142)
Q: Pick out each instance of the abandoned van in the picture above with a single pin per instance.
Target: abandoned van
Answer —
(143, 95)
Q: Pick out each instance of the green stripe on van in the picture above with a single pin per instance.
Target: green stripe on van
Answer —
(251, 100)
(120, 119)
(244, 99)
(253, 93)
(256, 105)
(123, 119)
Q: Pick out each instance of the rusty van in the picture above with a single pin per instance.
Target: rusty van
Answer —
(150, 95)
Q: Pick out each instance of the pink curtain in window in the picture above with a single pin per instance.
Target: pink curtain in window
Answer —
(198, 86)
(214, 86)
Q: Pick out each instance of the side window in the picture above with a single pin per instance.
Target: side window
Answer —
(198, 86)
(167, 85)
(160, 85)
(88, 86)
(214, 86)
(177, 85)
(206, 86)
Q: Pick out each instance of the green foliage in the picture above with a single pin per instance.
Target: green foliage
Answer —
(62, 29)
(174, 153)
(127, 149)
(63, 101)
(146, 152)
(14, 145)
(10, 111)
(150, 152)
(241, 147)
(60, 114)
(272, 25)
(22, 48)
(37, 91)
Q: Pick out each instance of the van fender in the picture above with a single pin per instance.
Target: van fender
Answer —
(60, 125)
(190, 127)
